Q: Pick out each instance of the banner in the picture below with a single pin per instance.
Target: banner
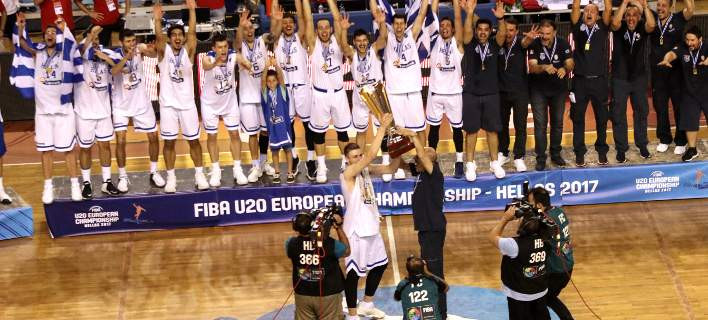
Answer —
(248, 205)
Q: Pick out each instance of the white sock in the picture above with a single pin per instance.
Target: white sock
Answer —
(122, 172)
(74, 181)
(310, 155)
(1, 185)
(386, 159)
(153, 166)
(263, 158)
(198, 169)
(293, 152)
(215, 166)
(48, 183)
(106, 173)
(458, 156)
(237, 163)
(86, 174)
(171, 173)
(321, 162)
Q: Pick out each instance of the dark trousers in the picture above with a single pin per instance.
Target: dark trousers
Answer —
(556, 282)
(545, 106)
(431, 250)
(589, 90)
(104, 38)
(636, 91)
(519, 103)
(528, 310)
(666, 84)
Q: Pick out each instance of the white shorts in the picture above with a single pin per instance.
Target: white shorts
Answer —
(300, 101)
(90, 130)
(211, 120)
(360, 114)
(366, 253)
(252, 120)
(55, 132)
(144, 122)
(408, 110)
(326, 106)
(448, 104)
(172, 120)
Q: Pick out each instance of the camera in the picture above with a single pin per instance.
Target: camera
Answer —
(318, 222)
(524, 208)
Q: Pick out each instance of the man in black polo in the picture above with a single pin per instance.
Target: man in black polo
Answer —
(514, 92)
(428, 217)
(630, 72)
(590, 82)
(666, 81)
(550, 62)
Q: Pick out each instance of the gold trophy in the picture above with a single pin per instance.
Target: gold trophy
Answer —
(375, 98)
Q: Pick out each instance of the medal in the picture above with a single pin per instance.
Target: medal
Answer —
(661, 40)
(508, 54)
(447, 52)
(397, 63)
(483, 68)
(589, 33)
(326, 56)
(694, 59)
(695, 71)
(483, 53)
(662, 30)
(325, 67)
(587, 46)
(399, 52)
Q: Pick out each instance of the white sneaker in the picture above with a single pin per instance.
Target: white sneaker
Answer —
(321, 175)
(661, 147)
(48, 194)
(171, 184)
(239, 176)
(254, 174)
(495, 167)
(76, 191)
(680, 150)
(370, 311)
(157, 180)
(471, 172)
(520, 165)
(215, 178)
(4, 197)
(268, 170)
(400, 174)
(201, 181)
(123, 183)
(386, 177)
(502, 159)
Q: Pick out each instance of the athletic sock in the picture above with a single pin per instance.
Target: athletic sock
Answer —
(106, 173)
(86, 174)
(153, 166)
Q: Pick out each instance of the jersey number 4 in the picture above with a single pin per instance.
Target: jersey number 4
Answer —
(418, 296)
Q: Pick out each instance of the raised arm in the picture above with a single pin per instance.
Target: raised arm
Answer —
(530, 36)
(207, 63)
(459, 30)
(353, 170)
(380, 19)
(469, 5)
(336, 19)
(688, 10)
(575, 12)
(496, 232)
(501, 28)
(278, 71)
(244, 22)
(420, 19)
(419, 149)
(160, 37)
(276, 20)
(347, 50)
(650, 22)
(300, 21)
(93, 34)
(23, 43)
(607, 13)
(309, 25)
(192, 32)
(127, 9)
(435, 6)
(619, 15)
(3, 19)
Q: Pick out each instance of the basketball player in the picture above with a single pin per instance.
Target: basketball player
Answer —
(55, 126)
(366, 70)
(590, 81)
(480, 94)
(362, 222)
(665, 82)
(177, 105)
(693, 61)
(93, 112)
(329, 100)
(131, 101)
(292, 56)
(445, 92)
(219, 100)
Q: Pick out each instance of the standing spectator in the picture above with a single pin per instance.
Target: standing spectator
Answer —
(8, 10)
(51, 9)
(105, 14)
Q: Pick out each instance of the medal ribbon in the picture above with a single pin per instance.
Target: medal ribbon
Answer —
(508, 54)
(663, 29)
(694, 60)
(483, 53)
(553, 51)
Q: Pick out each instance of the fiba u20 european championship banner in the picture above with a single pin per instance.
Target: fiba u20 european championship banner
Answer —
(250, 205)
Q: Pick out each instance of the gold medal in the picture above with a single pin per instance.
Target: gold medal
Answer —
(661, 40)
(397, 63)
(587, 46)
(325, 67)
(42, 79)
(483, 67)
(695, 71)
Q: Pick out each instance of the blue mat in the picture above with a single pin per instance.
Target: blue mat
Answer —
(16, 223)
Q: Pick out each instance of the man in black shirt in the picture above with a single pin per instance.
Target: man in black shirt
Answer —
(692, 57)
(630, 72)
(590, 82)
(550, 62)
(480, 93)
(317, 279)
(665, 81)
(428, 217)
(514, 92)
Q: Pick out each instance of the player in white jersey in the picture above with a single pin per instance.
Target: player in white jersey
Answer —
(93, 112)
(402, 72)
(445, 90)
(255, 50)
(219, 99)
(131, 101)
(55, 127)
(178, 109)
(362, 222)
(292, 56)
(329, 99)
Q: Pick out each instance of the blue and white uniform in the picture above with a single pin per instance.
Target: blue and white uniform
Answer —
(92, 100)
(178, 109)
(249, 89)
(403, 81)
(276, 106)
(329, 100)
(55, 126)
(292, 57)
(366, 70)
(130, 96)
(218, 98)
(445, 91)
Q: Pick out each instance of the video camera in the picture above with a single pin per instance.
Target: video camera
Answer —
(321, 221)
(524, 208)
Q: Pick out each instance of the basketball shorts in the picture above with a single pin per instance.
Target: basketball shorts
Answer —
(173, 120)
(210, 119)
(408, 110)
(252, 120)
(145, 122)
(449, 105)
(329, 105)
(366, 253)
(92, 130)
(55, 132)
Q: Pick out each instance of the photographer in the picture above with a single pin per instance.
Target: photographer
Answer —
(317, 279)
(559, 251)
(420, 292)
(523, 268)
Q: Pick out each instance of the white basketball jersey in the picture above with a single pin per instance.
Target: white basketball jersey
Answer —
(48, 84)
(402, 65)
(327, 65)
(445, 67)
(176, 80)
(249, 81)
(219, 91)
(292, 57)
(129, 91)
(362, 214)
(91, 96)
(366, 70)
